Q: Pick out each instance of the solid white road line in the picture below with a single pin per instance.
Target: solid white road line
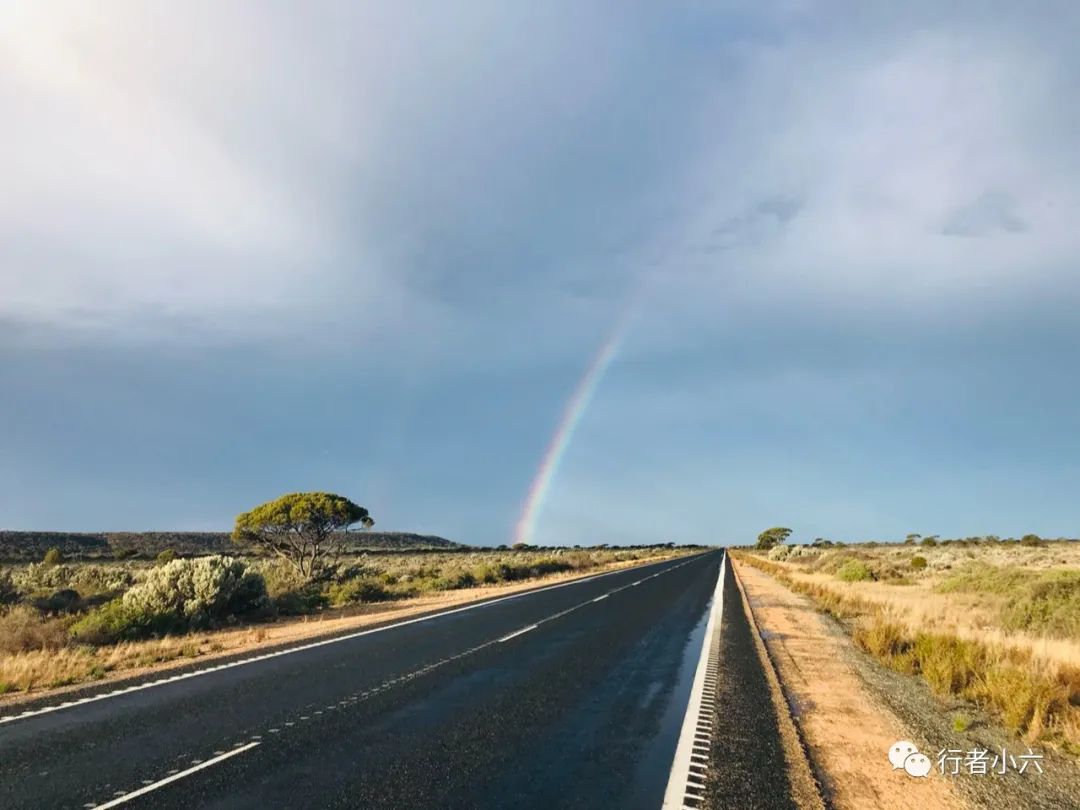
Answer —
(127, 797)
(310, 646)
(680, 777)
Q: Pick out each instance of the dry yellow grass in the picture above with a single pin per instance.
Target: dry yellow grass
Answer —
(954, 639)
(974, 616)
(966, 615)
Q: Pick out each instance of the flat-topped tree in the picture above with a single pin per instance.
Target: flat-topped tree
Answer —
(303, 528)
(771, 537)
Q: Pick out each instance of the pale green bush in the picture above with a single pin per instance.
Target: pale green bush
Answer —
(279, 576)
(198, 590)
(779, 553)
(86, 579)
(854, 571)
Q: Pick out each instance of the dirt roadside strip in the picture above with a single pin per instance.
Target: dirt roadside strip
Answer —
(847, 733)
(235, 643)
(851, 710)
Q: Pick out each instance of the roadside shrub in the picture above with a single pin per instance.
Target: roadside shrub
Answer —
(345, 571)
(779, 553)
(455, 581)
(486, 574)
(983, 578)
(165, 556)
(548, 565)
(854, 571)
(949, 664)
(9, 594)
(1047, 604)
(116, 621)
(1031, 540)
(199, 590)
(22, 629)
(302, 600)
(1036, 601)
(86, 579)
(52, 557)
(918, 562)
(65, 600)
(279, 577)
(585, 559)
(290, 594)
(365, 589)
(509, 573)
(883, 639)
(830, 562)
(1027, 705)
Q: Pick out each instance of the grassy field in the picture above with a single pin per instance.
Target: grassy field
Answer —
(64, 623)
(996, 624)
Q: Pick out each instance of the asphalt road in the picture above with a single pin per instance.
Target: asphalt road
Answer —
(567, 697)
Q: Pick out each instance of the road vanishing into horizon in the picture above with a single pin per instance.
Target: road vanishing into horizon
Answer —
(568, 696)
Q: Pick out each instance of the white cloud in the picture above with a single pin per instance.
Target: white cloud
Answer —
(240, 168)
(170, 168)
(886, 150)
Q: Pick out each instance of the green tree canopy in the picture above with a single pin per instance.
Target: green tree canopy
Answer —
(770, 537)
(303, 528)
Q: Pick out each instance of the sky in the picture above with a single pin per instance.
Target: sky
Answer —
(830, 247)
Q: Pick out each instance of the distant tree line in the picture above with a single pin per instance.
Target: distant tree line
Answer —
(773, 537)
(29, 546)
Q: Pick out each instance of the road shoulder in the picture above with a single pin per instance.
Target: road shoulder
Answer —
(848, 732)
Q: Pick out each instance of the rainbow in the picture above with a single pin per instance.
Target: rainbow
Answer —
(564, 431)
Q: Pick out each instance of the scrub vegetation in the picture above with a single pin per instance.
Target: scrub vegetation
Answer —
(991, 622)
(64, 622)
